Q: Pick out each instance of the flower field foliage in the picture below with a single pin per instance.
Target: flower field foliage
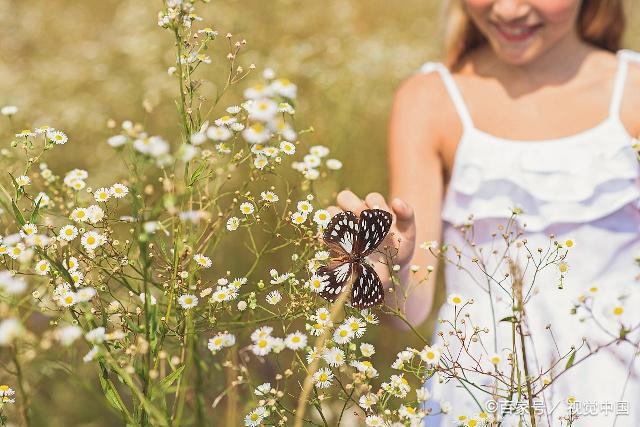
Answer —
(175, 284)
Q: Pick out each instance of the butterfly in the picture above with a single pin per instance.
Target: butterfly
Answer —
(351, 239)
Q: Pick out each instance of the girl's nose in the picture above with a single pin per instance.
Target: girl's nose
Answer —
(511, 10)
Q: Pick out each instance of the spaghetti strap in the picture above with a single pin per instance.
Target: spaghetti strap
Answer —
(624, 56)
(452, 89)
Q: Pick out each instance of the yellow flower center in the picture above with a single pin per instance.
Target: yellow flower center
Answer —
(618, 310)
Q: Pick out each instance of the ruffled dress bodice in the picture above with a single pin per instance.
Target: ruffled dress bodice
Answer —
(584, 187)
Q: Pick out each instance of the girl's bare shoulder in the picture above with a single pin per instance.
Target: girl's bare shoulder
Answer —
(424, 99)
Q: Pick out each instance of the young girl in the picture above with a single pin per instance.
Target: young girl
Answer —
(535, 109)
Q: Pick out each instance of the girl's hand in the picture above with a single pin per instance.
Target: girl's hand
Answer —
(402, 235)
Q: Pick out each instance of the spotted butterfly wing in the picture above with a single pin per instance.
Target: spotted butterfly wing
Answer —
(334, 278)
(351, 239)
(373, 227)
(341, 233)
(367, 289)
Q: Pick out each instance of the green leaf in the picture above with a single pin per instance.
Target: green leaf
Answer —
(17, 213)
(169, 379)
(111, 394)
(511, 319)
(572, 358)
(34, 214)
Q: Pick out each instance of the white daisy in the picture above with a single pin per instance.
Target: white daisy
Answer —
(118, 190)
(79, 214)
(257, 133)
(430, 355)
(304, 206)
(233, 223)
(261, 332)
(342, 334)
(358, 326)
(263, 110)
(28, 230)
(57, 137)
(262, 346)
(263, 389)
(367, 349)
(287, 147)
(269, 196)
(333, 164)
(15, 251)
(225, 120)
(68, 233)
(68, 334)
(255, 417)
(298, 217)
(366, 401)
(284, 87)
(8, 110)
(334, 357)
(43, 267)
(296, 340)
(323, 377)
(246, 208)
(71, 263)
(219, 133)
(117, 140)
(317, 284)
(319, 150)
(274, 297)
(220, 340)
(188, 301)
(96, 214)
(260, 162)
(322, 217)
(455, 300)
(23, 180)
(42, 200)
(202, 261)
(102, 194)
(68, 299)
(92, 239)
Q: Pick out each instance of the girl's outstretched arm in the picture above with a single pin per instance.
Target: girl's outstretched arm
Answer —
(416, 177)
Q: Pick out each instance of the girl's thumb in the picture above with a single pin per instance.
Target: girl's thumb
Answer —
(402, 210)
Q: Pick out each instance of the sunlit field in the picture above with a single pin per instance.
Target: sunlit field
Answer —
(202, 208)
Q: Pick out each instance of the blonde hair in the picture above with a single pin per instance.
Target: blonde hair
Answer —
(600, 22)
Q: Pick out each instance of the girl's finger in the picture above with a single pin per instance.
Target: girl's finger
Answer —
(405, 221)
(333, 210)
(376, 200)
(348, 201)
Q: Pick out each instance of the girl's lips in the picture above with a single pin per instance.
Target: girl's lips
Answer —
(515, 34)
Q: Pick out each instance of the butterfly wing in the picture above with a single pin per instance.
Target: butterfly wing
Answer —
(334, 278)
(341, 233)
(373, 227)
(367, 289)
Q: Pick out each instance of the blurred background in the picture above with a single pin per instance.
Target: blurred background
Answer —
(76, 64)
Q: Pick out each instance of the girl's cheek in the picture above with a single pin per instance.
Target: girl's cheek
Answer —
(556, 11)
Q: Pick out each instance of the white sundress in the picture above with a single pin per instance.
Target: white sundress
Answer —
(584, 187)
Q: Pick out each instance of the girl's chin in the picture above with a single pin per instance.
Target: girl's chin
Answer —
(517, 56)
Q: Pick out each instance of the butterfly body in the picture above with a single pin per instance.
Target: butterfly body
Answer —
(351, 240)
